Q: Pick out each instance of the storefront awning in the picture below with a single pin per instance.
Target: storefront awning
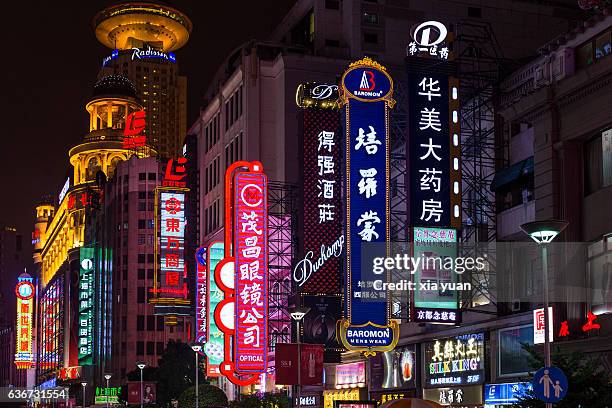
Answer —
(410, 403)
(512, 173)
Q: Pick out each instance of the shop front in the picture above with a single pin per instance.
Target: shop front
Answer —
(454, 370)
(393, 374)
(345, 382)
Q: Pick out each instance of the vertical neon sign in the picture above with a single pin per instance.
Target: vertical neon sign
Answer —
(86, 295)
(201, 295)
(367, 91)
(24, 358)
(214, 343)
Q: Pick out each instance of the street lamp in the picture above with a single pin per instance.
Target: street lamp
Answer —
(84, 384)
(543, 232)
(196, 348)
(107, 377)
(298, 314)
(141, 366)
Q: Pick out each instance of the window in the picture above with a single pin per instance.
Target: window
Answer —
(124, 298)
(142, 195)
(160, 347)
(160, 323)
(370, 38)
(141, 295)
(594, 50)
(150, 258)
(140, 322)
(151, 322)
(598, 162)
(150, 348)
(332, 4)
(602, 46)
(142, 206)
(142, 224)
(141, 258)
(513, 359)
(474, 12)
(140, 348)
(369, 18)
(141, 273)
(152, 176)
(142, 176)
(124, 322)
(150, 224)
(149, 273)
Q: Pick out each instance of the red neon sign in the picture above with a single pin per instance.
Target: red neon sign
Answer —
(590, 325)
(135, 124)
(175, 173)
(564, 331)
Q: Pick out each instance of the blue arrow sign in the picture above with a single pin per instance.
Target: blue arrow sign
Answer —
(550, 384)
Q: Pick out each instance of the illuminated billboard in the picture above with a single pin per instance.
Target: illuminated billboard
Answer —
(24, 358)
(201, 295)
(435, 192)
(135, 125)
(251, 270)
(366, 94)
(51, 307)
(318, 269)
(86, 299)
(453, 361)
(213, 348)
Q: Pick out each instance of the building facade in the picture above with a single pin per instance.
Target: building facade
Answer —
(142, 38)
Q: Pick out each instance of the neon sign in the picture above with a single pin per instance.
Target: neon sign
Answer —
(455, 361)
(64, 190)
(135, 124)
(175, 173)
(173, 275)
(539, 327)
(214, 344)
(366, 94)
(428, 39)
(137, 53)
(201, 295)
(24, 358)
(243, 313)
(86, 294)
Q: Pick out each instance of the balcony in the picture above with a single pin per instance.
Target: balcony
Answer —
(510, 220)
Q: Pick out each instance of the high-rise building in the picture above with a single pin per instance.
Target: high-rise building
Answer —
(142, 38)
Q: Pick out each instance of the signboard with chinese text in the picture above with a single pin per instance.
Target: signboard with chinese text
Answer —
(175, 173)
(318, 269)
(201, 295)
(366, 90)
(468, 396)
(214, 343)
(251, 254)
(539, 326)
(133, 136)
(429, 40)
(86, 306)
(352, 394)
(24, 357)
(51, 306)
(506, 393)
(458, 360)
(434, 246)
(351, 375)
(435, 191)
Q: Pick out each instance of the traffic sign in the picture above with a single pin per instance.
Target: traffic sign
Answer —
(550, 384)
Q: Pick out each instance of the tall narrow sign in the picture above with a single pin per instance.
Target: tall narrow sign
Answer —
(201, 295)
(214, 343)
(367, 91)
(86, 297)
(24, 358)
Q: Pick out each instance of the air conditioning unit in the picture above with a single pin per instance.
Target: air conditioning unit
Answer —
(515, 305)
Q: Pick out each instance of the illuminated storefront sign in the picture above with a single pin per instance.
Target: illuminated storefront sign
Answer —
(172, 278)
(329, 396)
(395, 369)
(432, 304)
(175, 173)
(318, 270)
(351, 375)
(50, 331)
(70, 373)
(468, 396)
(137, 53)
(110, 395)
(201, 295)
(366, 94)
(24, 358)
(64, 190)
(428, 40)
(251, 269)
(506, 393)
(79, 199)
(453, 361)
(135, 124)
(214, 343)
(86, 295)
(242, 315)
(539, 326)
(434, 150)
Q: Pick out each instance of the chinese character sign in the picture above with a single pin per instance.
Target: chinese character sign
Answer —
(133, 133)
(24, 290)
(251, 282)
(455, 361)
(172, 282)
(316, 271)
(214, 343)
(201, 295)
(434, 151)
(366, 93)
(86, 297)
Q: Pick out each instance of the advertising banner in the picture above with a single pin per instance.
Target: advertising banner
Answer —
(213, 348)
(469, 396)
(310, 366)
(505, 393)
(319, 326)
(86, 299)
(149, 392)
(394, 369)
(366, 94)
(25, 292)
(458, 360)
(351, 375)
(285, 360)
(318, 269)
(251, 271)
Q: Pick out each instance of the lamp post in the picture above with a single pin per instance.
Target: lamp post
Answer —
(196, 348)
(84, 384)
(543, 232)
(107, 377)
(298, 314)
(141, 366)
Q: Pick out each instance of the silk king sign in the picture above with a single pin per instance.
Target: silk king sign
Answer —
(366, 90)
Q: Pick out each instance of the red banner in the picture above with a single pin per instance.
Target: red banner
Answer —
(251, 286)
(310, 364)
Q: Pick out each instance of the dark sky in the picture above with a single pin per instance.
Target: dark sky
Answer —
(50, 62)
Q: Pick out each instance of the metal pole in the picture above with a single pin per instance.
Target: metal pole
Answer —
(547, 361)
(196, 381)
(83, 395)
(299, 387)
(141, 390)
(107, 393)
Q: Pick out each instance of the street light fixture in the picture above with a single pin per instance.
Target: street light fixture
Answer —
(196, 348)
(298, 314)
(141, 365)
(84, 384)
(107, 377)
(543, 232)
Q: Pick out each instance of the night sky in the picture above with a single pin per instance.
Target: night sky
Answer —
(50, 62)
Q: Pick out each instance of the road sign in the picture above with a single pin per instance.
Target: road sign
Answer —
(550, 384)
